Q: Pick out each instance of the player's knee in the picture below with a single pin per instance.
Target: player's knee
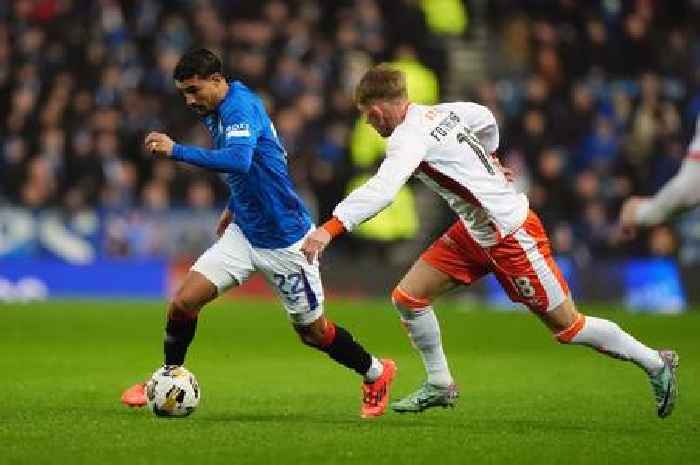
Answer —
(181, 308)
(406, 304)
(567, 335)
(306, 336)
(319, 334)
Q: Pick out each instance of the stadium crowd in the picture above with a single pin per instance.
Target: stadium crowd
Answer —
(596, 100)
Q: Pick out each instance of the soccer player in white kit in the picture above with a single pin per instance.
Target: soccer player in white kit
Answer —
(679, 193)
(450, 148)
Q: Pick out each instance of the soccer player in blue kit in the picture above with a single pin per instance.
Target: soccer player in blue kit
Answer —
(261, 229)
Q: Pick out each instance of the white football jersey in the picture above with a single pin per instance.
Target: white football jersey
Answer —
(449, 147)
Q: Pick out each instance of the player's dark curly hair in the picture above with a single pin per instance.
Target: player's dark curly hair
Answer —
(198, 62)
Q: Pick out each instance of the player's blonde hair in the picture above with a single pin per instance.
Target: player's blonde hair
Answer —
(381, 82)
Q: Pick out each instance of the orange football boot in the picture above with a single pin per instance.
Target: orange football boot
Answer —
(135, 396)
(375, 396)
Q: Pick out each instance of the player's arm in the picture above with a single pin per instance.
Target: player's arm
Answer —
(234, 158)
(678, 194)
(241, 130)
(377, 193)
(231, 159)
(369, 199)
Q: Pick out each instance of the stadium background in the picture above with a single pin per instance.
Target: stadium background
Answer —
(596, 101)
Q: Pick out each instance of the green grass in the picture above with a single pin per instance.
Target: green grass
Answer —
(269, 400)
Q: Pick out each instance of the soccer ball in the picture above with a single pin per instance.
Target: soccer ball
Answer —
(172, 392)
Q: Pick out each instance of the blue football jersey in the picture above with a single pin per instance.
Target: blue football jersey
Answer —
(263, 200)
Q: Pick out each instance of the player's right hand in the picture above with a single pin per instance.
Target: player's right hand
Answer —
(315, 243)
(628, 217)
(628, 212)
(159, 144)
(224, 221)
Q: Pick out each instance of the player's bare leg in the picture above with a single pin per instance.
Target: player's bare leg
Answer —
(412, 298)
(183, 311)
(338, 343)
(571, 327)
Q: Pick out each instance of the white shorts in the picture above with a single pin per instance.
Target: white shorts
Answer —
(232, 259)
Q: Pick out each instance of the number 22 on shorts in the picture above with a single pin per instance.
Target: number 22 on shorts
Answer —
(290, 286)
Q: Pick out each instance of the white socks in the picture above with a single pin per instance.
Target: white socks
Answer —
(424, 330)
(608, 338)
(605, 336)
(375, 370)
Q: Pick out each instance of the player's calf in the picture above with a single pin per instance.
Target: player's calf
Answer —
(179, 330)
(608, 338)
(419, 319)
(338, 343)
(317, 334)
(183, 311)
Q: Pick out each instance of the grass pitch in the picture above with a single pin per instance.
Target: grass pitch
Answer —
(269, 400)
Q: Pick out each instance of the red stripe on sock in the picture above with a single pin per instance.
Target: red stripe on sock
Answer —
(402, 297)
(569, 333)
(328, 334)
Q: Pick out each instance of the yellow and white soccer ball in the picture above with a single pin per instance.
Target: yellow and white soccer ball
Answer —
(173, 392)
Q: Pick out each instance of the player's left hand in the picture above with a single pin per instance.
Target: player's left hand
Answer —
(315, 243)
(159, 144)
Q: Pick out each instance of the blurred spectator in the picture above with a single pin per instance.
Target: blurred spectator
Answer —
(81, 83)
(601, 99)
(200, 194)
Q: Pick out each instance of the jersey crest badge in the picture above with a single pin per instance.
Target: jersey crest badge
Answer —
(238, 130)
